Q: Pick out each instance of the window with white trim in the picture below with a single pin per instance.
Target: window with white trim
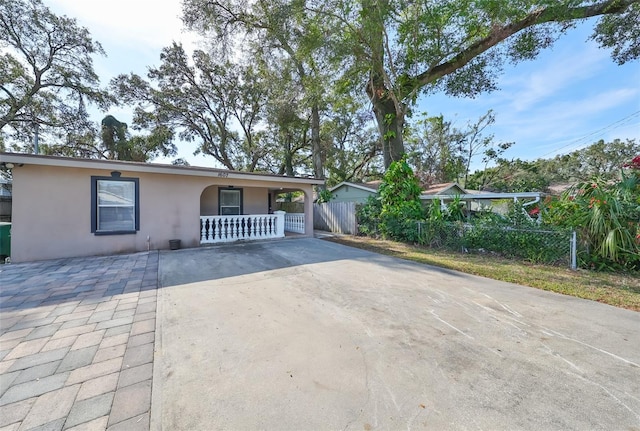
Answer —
(115, 205)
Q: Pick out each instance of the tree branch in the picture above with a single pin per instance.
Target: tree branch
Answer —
(499, 34)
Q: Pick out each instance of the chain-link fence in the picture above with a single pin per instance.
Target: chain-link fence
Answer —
(556, 247)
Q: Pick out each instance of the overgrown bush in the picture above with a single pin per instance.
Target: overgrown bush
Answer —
(607, 218)
(368, 216)
(324, 195)
(394, 211)
(605, 215)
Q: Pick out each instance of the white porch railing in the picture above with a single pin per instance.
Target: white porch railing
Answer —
(294, 222)
(215, 229)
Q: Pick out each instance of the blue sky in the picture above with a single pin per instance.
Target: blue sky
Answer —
(569, 97)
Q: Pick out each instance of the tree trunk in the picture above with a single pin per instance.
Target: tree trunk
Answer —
(390, 125)
(288, 156)
(389, 112)
(316, 148)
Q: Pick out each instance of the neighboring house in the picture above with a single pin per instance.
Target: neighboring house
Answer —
(486, 201)
(359, 192)
(444, 192)
(66, 207)
(354, 192)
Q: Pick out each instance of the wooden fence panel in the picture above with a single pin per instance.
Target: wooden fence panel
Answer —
(337, 217)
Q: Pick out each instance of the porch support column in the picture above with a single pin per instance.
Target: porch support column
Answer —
(308, 210)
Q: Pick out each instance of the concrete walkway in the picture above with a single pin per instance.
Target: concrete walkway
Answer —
(77, 342)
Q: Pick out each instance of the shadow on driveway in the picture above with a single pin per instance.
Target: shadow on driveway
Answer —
(231, 260)
(308, 334)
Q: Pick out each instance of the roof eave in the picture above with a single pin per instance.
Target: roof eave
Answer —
(23, 159)
(357, 186)
(485, 196)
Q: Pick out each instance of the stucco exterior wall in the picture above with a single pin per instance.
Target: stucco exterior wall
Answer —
(52, 211)
(256, 200)
(209, 201)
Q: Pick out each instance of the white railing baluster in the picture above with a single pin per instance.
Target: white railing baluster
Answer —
(217, 229)
(261, 227)
(294, 222)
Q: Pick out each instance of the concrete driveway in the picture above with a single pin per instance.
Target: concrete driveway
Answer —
(305, 334)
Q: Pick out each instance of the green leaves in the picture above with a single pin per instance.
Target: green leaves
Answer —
(600, 159)
(218, 104)
(400, 198)
(607, 218)
(46, 74)
(621, 33)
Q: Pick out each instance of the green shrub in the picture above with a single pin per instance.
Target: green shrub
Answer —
(368, 216)
(607, 219)
(394, 212)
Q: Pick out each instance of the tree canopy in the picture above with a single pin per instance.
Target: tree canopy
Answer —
(441, 152)
(217, 104)
(46, 72)
(397, 50)
(603, 160)
(285, 86)
(401, 50)
(281, 35)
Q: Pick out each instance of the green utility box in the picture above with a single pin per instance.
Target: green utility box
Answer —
(5, 240)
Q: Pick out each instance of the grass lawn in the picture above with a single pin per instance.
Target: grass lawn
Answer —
(617, 289)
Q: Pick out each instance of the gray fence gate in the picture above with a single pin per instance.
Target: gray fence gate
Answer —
(337, 217)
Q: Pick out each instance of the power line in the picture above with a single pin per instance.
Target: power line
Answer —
(578, 141)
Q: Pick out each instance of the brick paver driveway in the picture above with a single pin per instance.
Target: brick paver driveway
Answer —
(76, 343)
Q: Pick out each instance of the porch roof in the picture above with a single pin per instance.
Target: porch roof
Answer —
(19, 159)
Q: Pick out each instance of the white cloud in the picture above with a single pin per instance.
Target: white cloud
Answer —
(152, 23)
(566, 70)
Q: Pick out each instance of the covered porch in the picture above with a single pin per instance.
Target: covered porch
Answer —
(246, 214)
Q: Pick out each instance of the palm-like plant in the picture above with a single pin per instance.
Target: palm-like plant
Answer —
(607, 217)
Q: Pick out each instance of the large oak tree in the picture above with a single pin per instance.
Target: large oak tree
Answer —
(405, 49)
(217, 104)
(280, 34)
(398, 50)
(46, 72)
